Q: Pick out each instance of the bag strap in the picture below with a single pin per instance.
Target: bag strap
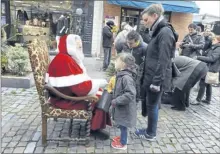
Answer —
(190, 39)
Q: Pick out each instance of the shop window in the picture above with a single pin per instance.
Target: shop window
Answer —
(3, 14)
(131, 16)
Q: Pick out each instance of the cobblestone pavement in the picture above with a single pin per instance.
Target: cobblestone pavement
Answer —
(196, 130)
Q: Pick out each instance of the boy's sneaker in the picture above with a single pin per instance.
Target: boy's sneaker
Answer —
(118, 145)
(117, 139)
(141, 133)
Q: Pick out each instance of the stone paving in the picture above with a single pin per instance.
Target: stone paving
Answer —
(196, 130)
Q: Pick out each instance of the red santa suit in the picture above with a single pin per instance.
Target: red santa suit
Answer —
(67, 74)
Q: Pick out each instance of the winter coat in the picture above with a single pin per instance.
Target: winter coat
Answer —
(195, 48)
(158, 64)
(137, 52)
(144, 32)
(107, 37)
(190, 69)
(208, 43)
(124, 96)
(212, 58)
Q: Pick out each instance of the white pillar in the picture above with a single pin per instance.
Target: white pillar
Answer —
(97, 28)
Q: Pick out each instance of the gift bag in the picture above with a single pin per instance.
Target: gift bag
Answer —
(104, 102)
(212, 78)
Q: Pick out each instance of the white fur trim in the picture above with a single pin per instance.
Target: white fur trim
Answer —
(95, 88)
(96, 84)
(71, 45)
(66, 81)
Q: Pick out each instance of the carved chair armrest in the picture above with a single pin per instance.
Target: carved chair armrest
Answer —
(74, 99)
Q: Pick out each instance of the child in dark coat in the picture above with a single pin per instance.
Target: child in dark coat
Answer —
(124, 98)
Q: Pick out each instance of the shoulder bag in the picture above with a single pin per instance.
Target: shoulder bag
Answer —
(212, 78)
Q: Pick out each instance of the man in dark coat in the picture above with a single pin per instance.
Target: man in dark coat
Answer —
(107, 43)
(193, 43)
(134, 45)
(144, 32)
(157, 72)
(191, 71)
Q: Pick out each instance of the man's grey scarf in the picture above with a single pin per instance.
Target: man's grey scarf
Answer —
(154, 26)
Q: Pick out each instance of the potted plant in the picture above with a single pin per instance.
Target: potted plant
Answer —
(15, 65)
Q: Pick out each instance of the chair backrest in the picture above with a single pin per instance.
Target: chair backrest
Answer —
(39, 58)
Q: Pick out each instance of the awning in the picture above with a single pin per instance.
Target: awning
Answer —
(174, 6)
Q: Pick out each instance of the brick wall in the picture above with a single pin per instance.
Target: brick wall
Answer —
(180, 22)
(111, 10)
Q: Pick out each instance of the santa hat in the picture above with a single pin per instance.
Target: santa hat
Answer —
(67, 69)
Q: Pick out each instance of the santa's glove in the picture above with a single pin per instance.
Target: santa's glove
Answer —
(102, 83)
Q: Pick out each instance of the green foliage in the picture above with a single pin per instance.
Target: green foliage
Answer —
(4, 48)
(4, 62)
(14, 60)
(111, 69)
(13, 92)
(18, 60)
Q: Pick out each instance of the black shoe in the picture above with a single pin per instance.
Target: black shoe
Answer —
(173, 107)
(101, 134)
(178, 109)
(206, 101)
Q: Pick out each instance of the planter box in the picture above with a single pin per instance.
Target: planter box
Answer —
(18, 82)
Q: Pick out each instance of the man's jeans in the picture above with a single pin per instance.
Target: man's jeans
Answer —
(124, 134)
(107, 57)
(153, 100)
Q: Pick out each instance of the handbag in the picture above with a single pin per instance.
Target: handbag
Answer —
(104, 102)
(212, 78)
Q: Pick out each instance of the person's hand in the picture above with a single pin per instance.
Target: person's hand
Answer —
(154, 88)
(113, 103)
(186, 45)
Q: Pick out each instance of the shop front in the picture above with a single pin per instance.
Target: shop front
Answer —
(44, 20)
(178, 13)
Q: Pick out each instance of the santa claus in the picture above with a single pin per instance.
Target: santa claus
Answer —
(67, 74)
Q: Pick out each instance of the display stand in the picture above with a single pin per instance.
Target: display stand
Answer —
(31, 32)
